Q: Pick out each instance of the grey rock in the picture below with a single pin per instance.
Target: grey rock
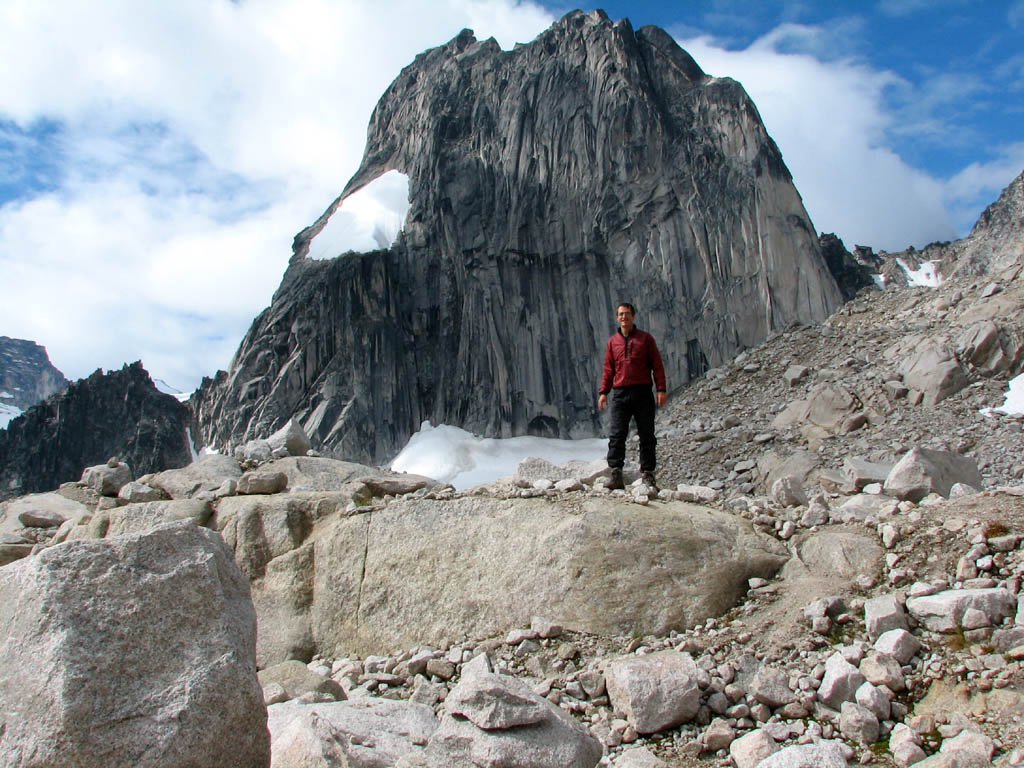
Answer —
(933, 370)
(824, 754)
(639, 757)
(473, 231)
(297, 679)
(557, 741)
(26, 373)
(898, 643)
(771, 686)
(205, 474)
(874, 700)
(262, 482)
(136, 493)
(654, 692)
(751, 748)
(494, 702)
(399, 578)
(858, 723)
(107, 479)
(788, 491)
(944, 611)
(39, 509)
(840, 682)
(923, 471)
(186, 647)
(368, 731)
(136, 518)
(883, 613)
(861, 472)
(290, 439)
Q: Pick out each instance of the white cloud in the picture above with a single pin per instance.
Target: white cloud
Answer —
(196, 138)
(830, 120)
(980, 184)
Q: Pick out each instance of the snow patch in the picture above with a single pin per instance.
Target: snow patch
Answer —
(368, 220)
(879, 280)
(926, 275)
(452, 455)
(7, 413)
(1014, 404)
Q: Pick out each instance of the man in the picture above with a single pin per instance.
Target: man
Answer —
(631, 359)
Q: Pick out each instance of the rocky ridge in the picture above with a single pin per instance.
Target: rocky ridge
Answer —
(26, 377)
(593, 164)
(118, 413)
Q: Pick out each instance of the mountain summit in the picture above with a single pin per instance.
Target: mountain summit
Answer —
(593, 165)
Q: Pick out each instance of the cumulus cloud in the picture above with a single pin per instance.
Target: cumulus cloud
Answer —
(191, 141)
(830, 119)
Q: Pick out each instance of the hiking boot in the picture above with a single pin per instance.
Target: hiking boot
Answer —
(615, 481)
(649, 481)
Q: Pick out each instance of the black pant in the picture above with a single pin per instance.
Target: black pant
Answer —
(627, 403)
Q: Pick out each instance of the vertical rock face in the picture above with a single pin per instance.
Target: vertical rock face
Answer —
(594, 165)
(26, 377)
(119, 413)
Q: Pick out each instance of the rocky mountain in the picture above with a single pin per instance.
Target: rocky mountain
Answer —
(594, 165)
(997, 240)
(119, 413)
(26, 377)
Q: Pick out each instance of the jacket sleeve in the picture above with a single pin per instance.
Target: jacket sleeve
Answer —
(608, 371)
(657, 367)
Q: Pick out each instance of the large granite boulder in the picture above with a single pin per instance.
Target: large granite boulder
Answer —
(545, 184)
(330, 578)
(119, 413)
(137, 650)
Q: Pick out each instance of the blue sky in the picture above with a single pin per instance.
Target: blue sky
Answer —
(157, 158)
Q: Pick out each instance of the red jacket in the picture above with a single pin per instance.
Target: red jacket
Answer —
(630, 360)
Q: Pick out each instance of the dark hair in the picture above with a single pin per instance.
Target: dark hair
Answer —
(625, 304)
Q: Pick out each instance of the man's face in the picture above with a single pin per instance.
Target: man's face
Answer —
(625, 318)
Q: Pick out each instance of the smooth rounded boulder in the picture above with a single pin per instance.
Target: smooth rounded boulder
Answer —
(134, 651)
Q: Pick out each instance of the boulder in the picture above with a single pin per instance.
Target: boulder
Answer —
(883, 613)
(654, 692)
(297, 679)
(826, 406)
(639, 757)
(369, 731)
(137, 493)
(136, 518)
(933, 370)
(428, 571)
(262, 482)
(107, 479)
(922, 471)
(495, 702)
(861, 472)
(751, 748)
(290, 440)
(824, 754)
(39, 510)
(549, 739)
(204, 475)
(944, 611)
(840, 682)
(132, 651)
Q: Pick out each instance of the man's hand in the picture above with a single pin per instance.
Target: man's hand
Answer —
(662, 398)
(602, 402)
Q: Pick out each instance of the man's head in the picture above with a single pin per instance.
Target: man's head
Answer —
(624, 314)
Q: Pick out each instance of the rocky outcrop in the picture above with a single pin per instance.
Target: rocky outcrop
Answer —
(119, 413)
(138, 650)
(593, 165)
(997, 240)
(852, 271)
(397, 576)
(26, 377)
